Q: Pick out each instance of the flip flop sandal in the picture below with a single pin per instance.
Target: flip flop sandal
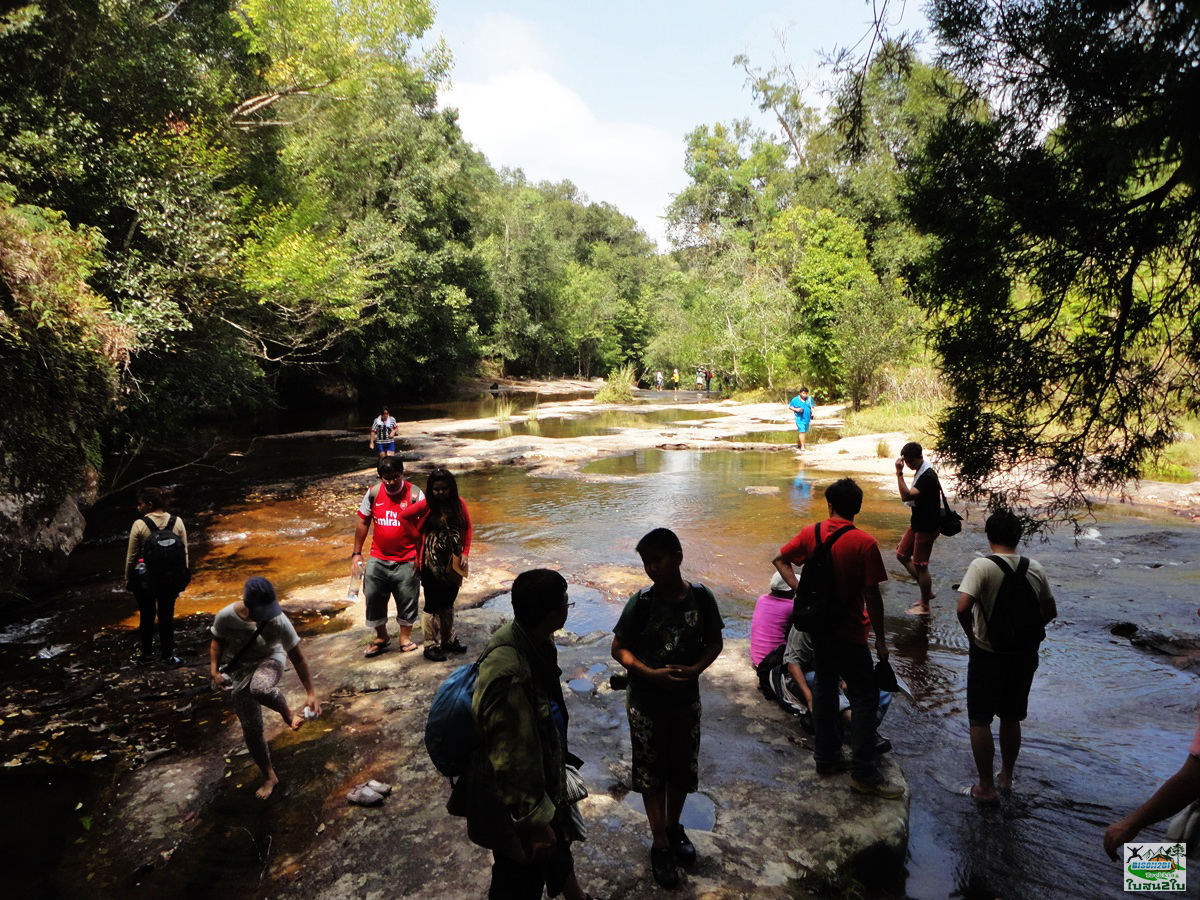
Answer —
(364, 795)
(409, 647)
(376, 647)
(379, 787)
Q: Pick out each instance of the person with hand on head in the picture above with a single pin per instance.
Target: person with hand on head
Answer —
(924, 497)
(251, 639)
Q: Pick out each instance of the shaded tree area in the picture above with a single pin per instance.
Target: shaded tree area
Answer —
(1060, 196)
(794, 239)
(278, 204)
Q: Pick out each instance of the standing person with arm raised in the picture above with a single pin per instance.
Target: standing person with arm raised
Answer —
(916, 546)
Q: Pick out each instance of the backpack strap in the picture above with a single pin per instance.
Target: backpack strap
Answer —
(246, 646)
(171, 523)
(149, 522)
(1021, 569)
(833, 537)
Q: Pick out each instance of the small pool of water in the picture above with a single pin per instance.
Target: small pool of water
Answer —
(699, 811)
(586, 425)
(786, 435)
(593, 610)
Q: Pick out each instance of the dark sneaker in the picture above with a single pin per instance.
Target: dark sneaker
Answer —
(143, 659)
(806, 722)
(683, 848)
(882, 745)
(843, 764)
(662, 864)
(455, 646)
(882, 789)
(435, 654)
(172, 662)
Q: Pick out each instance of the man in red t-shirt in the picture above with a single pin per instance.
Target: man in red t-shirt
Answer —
(392, 570)
(842, 654)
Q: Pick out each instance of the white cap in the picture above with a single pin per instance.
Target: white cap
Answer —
(779, 586)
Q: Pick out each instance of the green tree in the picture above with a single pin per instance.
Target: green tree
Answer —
(1065, 226)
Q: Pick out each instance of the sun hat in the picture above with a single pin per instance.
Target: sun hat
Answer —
(779, 587)
(259, 597)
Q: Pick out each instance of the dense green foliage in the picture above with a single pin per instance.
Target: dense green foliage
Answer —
(1066, 221)
(794, 244)
(278, 201)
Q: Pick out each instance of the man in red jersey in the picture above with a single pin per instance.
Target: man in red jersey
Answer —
(392, 569)
(841, 653)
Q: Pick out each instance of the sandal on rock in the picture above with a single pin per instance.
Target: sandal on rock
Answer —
(409, 647)
(379, 787)
(364, 795)
(376, 647)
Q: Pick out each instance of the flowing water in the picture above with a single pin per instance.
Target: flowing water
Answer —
(1107, 723)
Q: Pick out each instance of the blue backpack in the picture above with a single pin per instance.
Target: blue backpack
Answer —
(450, 728)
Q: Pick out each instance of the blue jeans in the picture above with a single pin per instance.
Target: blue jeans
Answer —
(839, 660)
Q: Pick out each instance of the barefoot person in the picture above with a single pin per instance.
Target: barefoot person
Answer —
(802, 408)
(251, 638)
(1004, 605)
(917, 543)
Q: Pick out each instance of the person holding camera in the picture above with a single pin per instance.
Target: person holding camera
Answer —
(252, 639)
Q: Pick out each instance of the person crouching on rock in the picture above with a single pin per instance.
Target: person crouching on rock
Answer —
(251, 637)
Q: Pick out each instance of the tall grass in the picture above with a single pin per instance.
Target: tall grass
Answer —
(504, 409)
(532, 414)
(619, 386)
(912, 418)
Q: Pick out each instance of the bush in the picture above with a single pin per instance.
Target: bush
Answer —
(619, 386)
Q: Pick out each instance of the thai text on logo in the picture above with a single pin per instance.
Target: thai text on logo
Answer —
(1155, 867)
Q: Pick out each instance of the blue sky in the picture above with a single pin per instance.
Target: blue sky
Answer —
(603, 93)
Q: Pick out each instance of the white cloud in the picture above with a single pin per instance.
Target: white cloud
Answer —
(521, 116)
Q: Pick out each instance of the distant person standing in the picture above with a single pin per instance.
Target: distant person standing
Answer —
(156, 571)
(802, 408)
(658, 380)
(1004, 604)
(395, 543)
(699, 379)
(707, 380)
(675, 380)
(251, 642)
(383, 433)
(924, 497)
(842, 652)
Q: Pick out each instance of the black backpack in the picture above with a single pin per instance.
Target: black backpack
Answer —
(1015, 625)
(817, 605)
(165, 558)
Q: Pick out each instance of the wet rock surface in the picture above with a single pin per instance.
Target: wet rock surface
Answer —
(187, 822)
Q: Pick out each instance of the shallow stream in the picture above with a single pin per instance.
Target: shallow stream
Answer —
(1108, 722)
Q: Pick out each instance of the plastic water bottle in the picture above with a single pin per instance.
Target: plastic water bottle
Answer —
(355, 584)
(140, 568)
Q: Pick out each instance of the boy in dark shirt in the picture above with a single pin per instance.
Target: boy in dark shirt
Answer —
(667, 635)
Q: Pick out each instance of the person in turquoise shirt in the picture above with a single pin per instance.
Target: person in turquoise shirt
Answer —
(802, 407)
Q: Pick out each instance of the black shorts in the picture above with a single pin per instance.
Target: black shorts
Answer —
(998, 685)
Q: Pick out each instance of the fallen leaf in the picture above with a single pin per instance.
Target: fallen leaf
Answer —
(86, 822)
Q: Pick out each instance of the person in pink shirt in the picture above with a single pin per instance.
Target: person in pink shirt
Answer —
(771, 620)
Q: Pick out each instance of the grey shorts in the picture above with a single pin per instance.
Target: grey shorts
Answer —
(385, 579)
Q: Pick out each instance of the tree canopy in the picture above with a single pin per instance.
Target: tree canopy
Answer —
(1060, 197)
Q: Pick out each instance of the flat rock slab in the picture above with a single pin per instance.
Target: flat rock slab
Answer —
(775, 827)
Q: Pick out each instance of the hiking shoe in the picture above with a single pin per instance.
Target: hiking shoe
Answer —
(435, 654)
(172, 662)
(804, 717)
(455, 646)
(882, 789)
(681, 846)
(662, 865)
(882, 745)
(143, 659)
(843, 764)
